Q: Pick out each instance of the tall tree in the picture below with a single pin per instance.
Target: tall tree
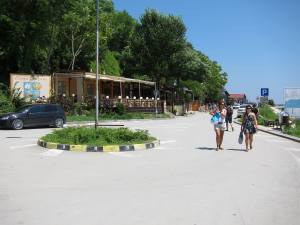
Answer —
(157, 37)
(77, 24)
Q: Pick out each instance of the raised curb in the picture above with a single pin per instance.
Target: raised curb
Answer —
(290, 137)
(91, 148)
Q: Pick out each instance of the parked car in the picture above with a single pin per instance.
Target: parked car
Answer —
(241, 110)
(34, 116)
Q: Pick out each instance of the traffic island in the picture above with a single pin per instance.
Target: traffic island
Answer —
(82, 139)
(92, 148)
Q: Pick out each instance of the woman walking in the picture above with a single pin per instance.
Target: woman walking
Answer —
(219, 115)
(249, 126)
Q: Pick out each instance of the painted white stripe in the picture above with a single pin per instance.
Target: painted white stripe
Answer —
(295, 157)
(160, 148)
(166, 142)
(22, 146)
(121, 154)
(293, 149)
(52, 152)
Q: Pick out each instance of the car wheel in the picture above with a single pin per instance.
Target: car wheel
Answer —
(17, 124)
(59, 122)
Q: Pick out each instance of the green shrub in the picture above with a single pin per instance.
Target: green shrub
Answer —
(114, 116)
(99, 137)
(16, 98)
(120, 109)
(13, 95)
(267, 113)
(6, 104)
(66, 102)
(295, 131)
(80, 108)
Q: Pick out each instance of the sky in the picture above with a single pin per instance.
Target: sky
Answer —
(257, 42)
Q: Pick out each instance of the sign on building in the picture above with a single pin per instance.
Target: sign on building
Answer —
(31, 87)
(292, 101)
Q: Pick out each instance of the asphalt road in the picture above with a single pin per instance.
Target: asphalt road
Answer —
(183, 182)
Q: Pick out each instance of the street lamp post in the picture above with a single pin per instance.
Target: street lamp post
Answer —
(97, 67)
(155, 96)
(173, 95)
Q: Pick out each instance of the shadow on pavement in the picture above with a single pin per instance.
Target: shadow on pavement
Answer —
(206, 148)
(236, 149)
(214, 149)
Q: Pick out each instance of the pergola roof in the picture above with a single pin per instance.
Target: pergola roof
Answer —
(89, 75)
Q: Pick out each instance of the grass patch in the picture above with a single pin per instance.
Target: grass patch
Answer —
(114, 116)
(99, 137)
(293, 131)
(266, 113)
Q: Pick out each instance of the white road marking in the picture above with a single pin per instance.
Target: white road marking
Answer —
(52, 152)
(121, 154)
(166, 142)
(293, 149)
(160, 148)
(22, 146)
(295, 157)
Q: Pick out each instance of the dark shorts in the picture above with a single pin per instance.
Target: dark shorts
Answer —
(250, 130)
(228, 119)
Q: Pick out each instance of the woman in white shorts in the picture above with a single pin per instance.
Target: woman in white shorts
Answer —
(219, 125)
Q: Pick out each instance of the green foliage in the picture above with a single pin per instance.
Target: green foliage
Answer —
(109, 65)
(98, 137)
(79, 108)
(157, 37)
(114, 116)
(14, 96)
(271, 102)
(197, 88)
(66, 102)
(5, 103)
(294, 131)
(53, 35)
(266, 113)
(77, 28)
(120, 109)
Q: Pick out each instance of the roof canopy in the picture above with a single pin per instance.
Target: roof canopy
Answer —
(89, 75)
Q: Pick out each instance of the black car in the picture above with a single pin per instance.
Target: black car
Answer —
(34, 116)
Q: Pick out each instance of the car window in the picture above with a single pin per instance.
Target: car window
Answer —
(37, 109)
(22, 109)
(50, 108)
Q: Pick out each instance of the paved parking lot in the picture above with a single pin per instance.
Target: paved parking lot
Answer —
(184, 181)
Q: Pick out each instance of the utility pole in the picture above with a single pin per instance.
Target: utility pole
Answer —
(97, 67)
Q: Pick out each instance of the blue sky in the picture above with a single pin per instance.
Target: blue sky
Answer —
(257, 42)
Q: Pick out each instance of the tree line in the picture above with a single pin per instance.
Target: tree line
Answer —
(46, 36)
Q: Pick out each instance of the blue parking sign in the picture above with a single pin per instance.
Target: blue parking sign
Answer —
(264, 92)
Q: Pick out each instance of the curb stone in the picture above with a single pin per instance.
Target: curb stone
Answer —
(105, 148)
(290, 137)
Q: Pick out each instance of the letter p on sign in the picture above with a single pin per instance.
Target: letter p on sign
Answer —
(264, 92)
